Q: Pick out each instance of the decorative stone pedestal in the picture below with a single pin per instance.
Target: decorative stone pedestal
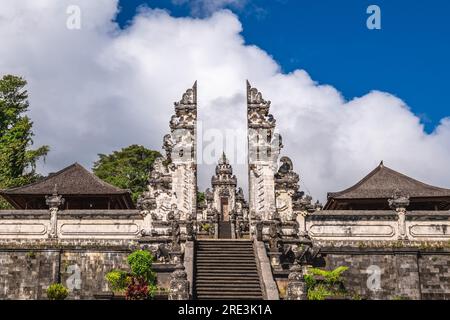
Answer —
(296, 289)
(179, 284)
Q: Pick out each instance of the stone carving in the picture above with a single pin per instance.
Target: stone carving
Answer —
(175, 235)
(189, 228)
(264, 146)
(399, 202)
(296, 288)
(304, 254)
(274, 237)
(54, 202)
(179, 284)
(172, 184)
(225, 202)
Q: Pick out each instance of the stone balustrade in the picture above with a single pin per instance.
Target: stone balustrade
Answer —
(384, 225)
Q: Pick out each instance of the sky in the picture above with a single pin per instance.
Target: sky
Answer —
(345, 97)
(329, 39)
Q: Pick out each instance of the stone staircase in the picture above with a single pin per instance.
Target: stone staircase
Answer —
(226, 269)
(224, 230)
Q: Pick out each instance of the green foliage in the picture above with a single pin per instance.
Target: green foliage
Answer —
(118, 280)
(140, 283)
(322, 284)
(17, 161)
(140, 263)
(206, 227)
(200, 197)
(331, 277)
(57, 291)
(128, 168)
(31, 255)
(319, 292)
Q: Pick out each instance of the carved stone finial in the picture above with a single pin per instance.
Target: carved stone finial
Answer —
(254, 96)
(399, 200)
(54, 201)
(189, 97)
(318, 206)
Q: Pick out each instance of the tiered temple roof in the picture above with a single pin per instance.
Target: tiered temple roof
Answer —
(373, 191)
(80, 188)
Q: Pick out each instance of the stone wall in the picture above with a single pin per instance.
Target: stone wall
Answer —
(27, 269)
(96, 242)
(393, 273)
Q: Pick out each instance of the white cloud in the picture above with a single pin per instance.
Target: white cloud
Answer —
(207, 7)
(100, 88)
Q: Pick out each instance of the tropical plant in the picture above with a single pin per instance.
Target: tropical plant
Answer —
(322, 284)
(17, 160)
(140, 282)
(57, 291)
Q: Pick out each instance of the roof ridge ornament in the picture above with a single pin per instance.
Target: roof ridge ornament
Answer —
(399, 201)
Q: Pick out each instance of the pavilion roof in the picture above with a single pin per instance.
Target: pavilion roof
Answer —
(383, 181)
(72, 180)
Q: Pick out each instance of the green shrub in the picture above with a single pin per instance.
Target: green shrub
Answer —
(319, 292)
(140, 283)
(57, 291)
(140, 262)
(331, 277)
(118, 280)
(322, 284)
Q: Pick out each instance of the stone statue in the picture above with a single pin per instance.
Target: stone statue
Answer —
(54, 202)
(176, 235)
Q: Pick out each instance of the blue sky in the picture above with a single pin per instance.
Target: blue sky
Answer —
(408, 57)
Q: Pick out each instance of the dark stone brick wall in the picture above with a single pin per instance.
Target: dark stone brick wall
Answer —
(84, 272)
(403, 274)
(435, 276)
(27, 274)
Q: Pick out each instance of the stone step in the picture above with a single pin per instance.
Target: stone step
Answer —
(224, 257)
(226, 269)
(228, 281)
(225, 251)
(225, 265)
(203, 270)
(230, 248)
(220, 287)
(228, 260)
(226, 277)
(229, 291)
(234, 297)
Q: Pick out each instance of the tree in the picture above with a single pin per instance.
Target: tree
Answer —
(17, 161)
(128, 168)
